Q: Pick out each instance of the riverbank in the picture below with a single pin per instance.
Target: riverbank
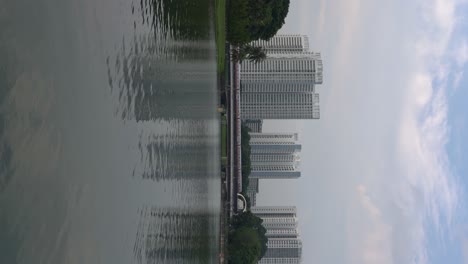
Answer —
(222, 59)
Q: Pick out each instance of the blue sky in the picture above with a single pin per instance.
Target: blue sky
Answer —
(385, 169)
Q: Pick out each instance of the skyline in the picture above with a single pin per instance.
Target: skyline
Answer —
(383, 174)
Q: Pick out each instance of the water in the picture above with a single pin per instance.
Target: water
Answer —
(108, 133)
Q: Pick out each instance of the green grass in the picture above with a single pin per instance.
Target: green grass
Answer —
(220, 7)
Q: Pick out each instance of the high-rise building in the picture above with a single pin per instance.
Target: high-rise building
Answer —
(253, 198)
(253, 186)
(274, 138)
(255, 125)
(282, 249)
(287, 68)
(277, 218)
(284, 244)
(280, 261)
(252, 190)
(280, 105)
(270, 211)
(274, 156)
(283, 85)
(282, 233)
(291, 43)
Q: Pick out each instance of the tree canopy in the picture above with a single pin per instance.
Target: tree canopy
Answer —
(247, 239)
(252, 20)
(252, 53)
(244, 246)
(266, 17)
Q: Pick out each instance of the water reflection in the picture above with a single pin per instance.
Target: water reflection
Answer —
(164, 71)
(182, 19)
(105, 107)
(171, 236)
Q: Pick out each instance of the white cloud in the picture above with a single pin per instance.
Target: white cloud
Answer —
(423, 191)
(389, 65)
(427, 187)
(376, 237)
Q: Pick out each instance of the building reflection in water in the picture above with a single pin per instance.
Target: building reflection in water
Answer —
(174, 236)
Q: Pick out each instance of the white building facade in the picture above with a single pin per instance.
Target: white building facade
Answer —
(274, 156)
(283, 85)
(287, 68)
(284, 243)
(284, 43)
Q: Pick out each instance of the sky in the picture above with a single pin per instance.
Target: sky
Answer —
(384, 171)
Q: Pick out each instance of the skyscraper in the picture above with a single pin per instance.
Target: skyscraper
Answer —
(283, 250)
(283, 85)
(274, 156)
(270, 211)
(284, 244)
(291, 43)
(252, 190)
(255, 125)
(280, 105)
(289, 68)
(277, 219)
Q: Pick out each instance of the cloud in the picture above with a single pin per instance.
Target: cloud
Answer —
(382, 140)
(419, 189)
(426, 186)
(376, 238)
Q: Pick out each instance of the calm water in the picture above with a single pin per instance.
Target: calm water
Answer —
(108, 132)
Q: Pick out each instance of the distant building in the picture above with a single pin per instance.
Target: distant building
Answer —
(284, 243)
(287, 68)
(277, 218)
(282, 233)
(269, 211)
(255, 125)
(280, 106)
(253, 198)
(291, 43)
(274, 156)
(252, 191)
(283, 250)
(253, 185)
(283, 85)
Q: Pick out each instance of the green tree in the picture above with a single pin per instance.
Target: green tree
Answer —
(248, 52)
(255, 54)
(272, 19)
(238, 22)
(253, 20)
(247, 219)
(244, 246)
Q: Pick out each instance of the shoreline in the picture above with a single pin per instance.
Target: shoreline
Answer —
(223, 99)
(229, 182)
